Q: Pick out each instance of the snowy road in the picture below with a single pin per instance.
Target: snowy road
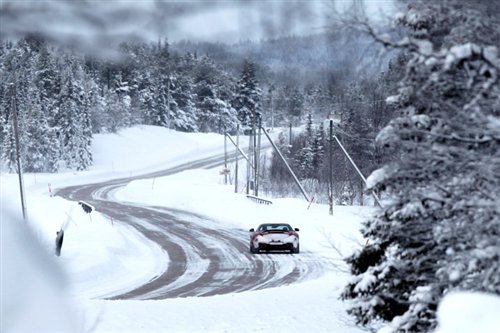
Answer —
(204, 257)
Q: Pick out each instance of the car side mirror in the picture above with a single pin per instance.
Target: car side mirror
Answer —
(252, 230)
(297, 229)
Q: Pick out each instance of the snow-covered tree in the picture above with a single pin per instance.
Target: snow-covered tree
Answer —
(206, 96)
(38, 142)
(162, 82)
(118, 105)
(8, 145)
(305, 156)
(184, 110)
(18, 67)
(214, 111)
(357, 135)
(440, 228)
(318, 151)
(147, 102)
(73, 122)
(295, 107)
(247, 99)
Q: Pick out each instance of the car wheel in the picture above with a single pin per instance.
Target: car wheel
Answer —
(296, 249)
(253, 249)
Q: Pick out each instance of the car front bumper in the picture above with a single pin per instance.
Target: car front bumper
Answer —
(275, 246)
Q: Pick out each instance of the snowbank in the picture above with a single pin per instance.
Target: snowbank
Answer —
(465, 312)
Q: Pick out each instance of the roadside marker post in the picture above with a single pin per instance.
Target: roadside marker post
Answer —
(310, 203)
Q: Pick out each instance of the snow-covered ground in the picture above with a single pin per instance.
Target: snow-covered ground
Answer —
(44, 293)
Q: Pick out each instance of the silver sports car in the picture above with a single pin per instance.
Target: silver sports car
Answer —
(274, 236)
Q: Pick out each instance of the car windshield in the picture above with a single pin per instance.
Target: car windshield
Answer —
(275, 227)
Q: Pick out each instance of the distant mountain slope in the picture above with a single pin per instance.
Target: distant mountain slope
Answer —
(309, 58)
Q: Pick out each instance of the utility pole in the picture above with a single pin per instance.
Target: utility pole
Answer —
(331, 118)
(236, 158)
(18, 151)
(225, 158)
(271, 89)
(257, 160)
(168, 102)
(330, 194)
(239, 149)
(306, 196)
(290, 136)
(375, 196)
(249, 162)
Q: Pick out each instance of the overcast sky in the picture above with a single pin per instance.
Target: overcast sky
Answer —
(232, 21)
(97, 22)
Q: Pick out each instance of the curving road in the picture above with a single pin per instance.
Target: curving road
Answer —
(204, 257)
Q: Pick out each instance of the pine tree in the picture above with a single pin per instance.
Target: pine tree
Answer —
(5, 119)
(206, 95)
(247, 100)
(18, 67)
(96, 105)
(85, 158)
(214, 112)
(318, 152)
(73, 122)
(162, 80)
(8, 143)
(147, 103)
(185, 117)
(9, 147)
(46, 77)
(440, 230)
(357, 136)
(228, 114)
(118, 105)
(295, 106)
(37, 129)
(47, 82)
(305, 156)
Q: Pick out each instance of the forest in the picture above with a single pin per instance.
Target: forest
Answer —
(62, 97)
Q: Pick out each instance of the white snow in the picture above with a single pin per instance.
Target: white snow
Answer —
(424, 47)
(367, 280)
(45, 293)
(386, 136)
(393, 99)
(466, 312)
(378, 176)
(490, 53)
(459, 52)
(494, 125)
